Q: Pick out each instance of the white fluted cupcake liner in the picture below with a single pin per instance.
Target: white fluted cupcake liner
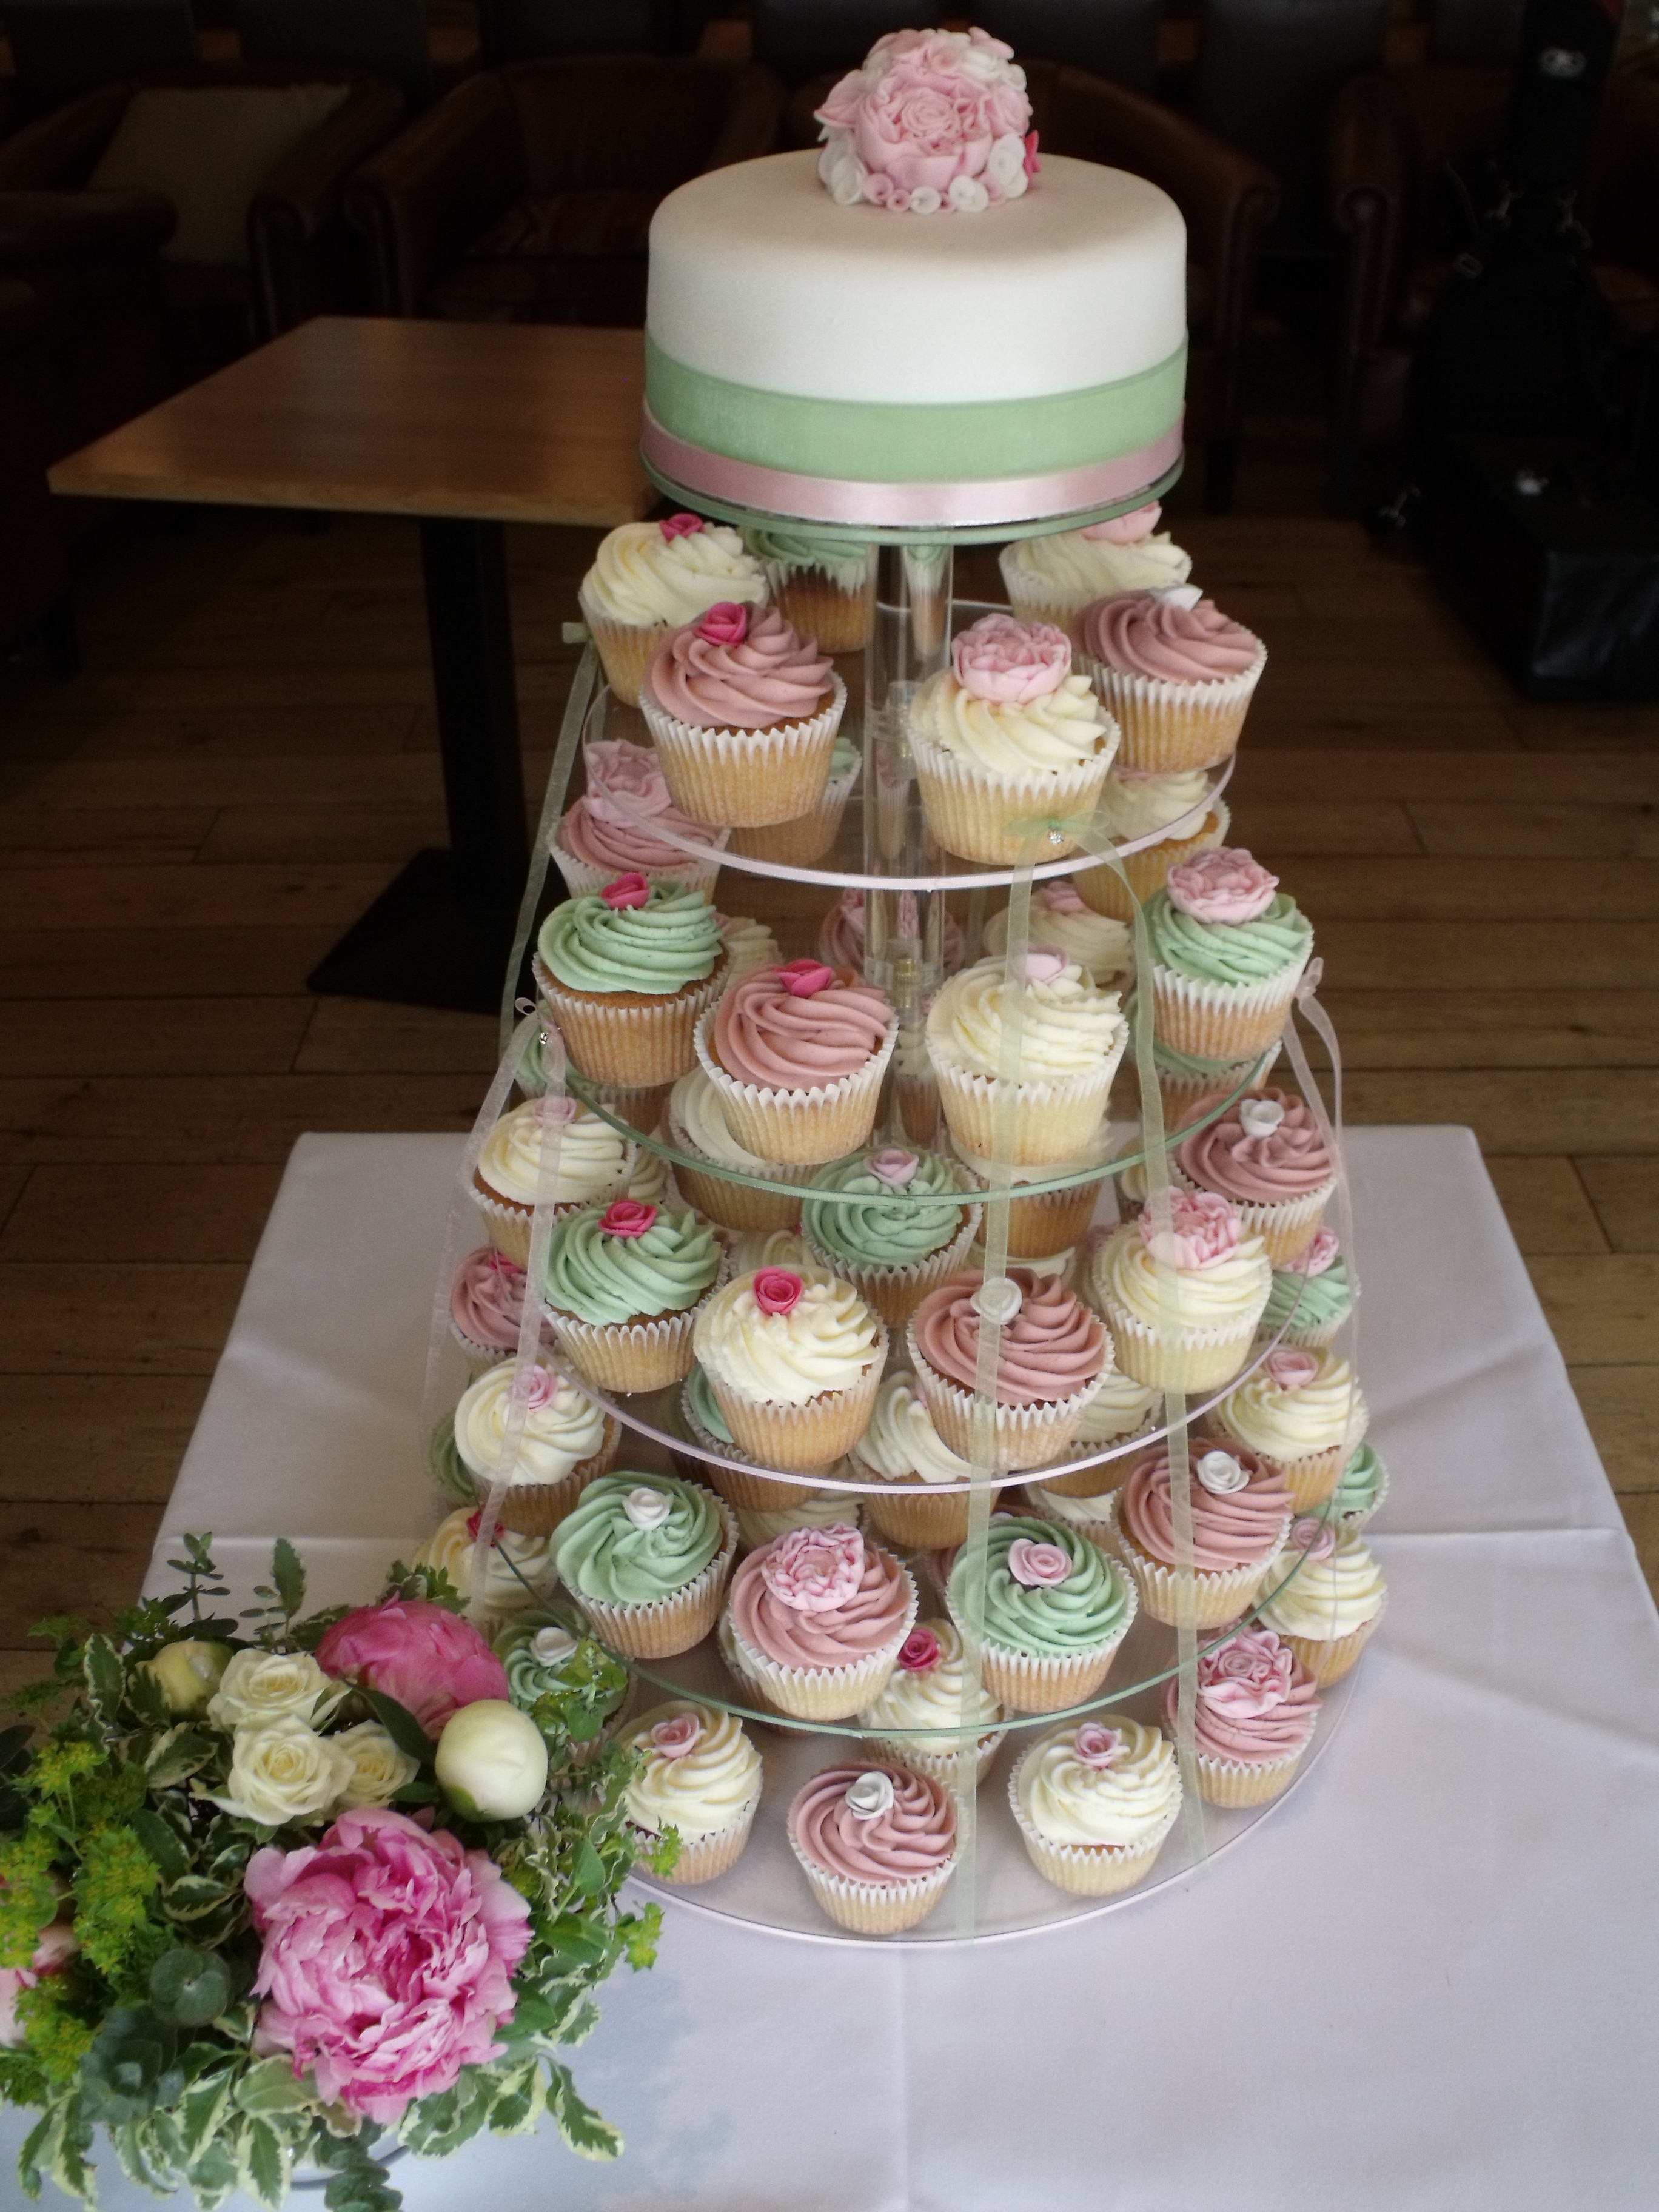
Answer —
(736, 1205)
(982, 817)
(815, 606)
(1102, 888)
(631, 1355)
(749, 1690)
(507, 1223)
(1023, 1435)
(872, 1908)
(668, 1625)
(802, 1128)
(896, 1292)
(911, 1513)
(808, 838)
(1189, 1598)
(916, 1756)
(1031, 1684)
(807, 1438)
(1223, 1021)
(581, 877)
(1179, 1094)
(1056, 1122)
(1235, 1782)
(759, 1493)
(703, 1858)
(745, 779)
(825, 1693)
(1034, 602)
(536, 1509)
(639, 1044)
(1088, 1870)
(1047, 1222)
(625, 649)
(1170, 726)
(1191, 1359)
(1329, 1659)
(1287, 1228)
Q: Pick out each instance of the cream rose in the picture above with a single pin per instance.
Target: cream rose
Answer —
(280, 1770)
(378, 1769)
(264, 1686)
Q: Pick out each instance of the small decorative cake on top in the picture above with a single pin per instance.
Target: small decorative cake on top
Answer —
(650, 578)
(923, 1702)
(620, 824)
(1095, 1801)
(1052, 578)
(646, 1557)
(1055, 1609)
(901, 1227)
(626, 972)
(876, 1845)
(1051, 1354)
(1184, 1302)
(795, 1362)
(1071, 1037)
(625, 1283)
(1006, 739)
(1266, 1155)
(1228, 951)
(796, 1055)
(1176, 675)
(817, 1618)
(699, 1775)
(1241, 1514)
(593, 1163)
(1253, 1717)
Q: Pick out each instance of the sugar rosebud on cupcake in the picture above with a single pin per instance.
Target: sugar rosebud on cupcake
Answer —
(492, 1760)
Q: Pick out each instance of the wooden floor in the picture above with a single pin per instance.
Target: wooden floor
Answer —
(249, 756)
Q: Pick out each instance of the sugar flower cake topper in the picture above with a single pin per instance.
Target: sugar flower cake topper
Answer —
(935, 122)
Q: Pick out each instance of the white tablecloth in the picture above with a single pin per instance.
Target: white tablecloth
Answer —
(1430, 1981)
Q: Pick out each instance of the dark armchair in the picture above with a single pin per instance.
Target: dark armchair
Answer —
(33, 592)
(526, 195)
(1226, 199)
(1389, 137)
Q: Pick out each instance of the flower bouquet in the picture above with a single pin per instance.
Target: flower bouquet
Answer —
(313, 1891)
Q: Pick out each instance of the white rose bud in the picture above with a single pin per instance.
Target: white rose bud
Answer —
(492, 1761)
(282, 1770)
(187, 1673)
(263, 1686)
(378, 1769)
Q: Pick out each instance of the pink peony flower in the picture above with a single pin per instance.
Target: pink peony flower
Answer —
(1224, 884)
(628, 891)
(54, 1946)
(1249, 1676)
(1010, 662)
(934, 120)
(1203, 1231)
(387, 1961)
(814, 1570)
(725, 624)
(628, 1217)
(1037, 1566)
(777, 1290)
(427, 1658)
(1125, 528)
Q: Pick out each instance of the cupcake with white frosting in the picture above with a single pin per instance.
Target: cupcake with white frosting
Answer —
(594, 1163)
(1120, 1409)
(646, 1558)
(1184, 1302)
(1061, 923)
(1095, 1801)
(708, 1428)
(925, 1703)
(750, 944)
(1304, 1413)
(518, 1574)
(878, 1845)
(902, 1447)
(564, 1440)
(1138, 803)
(651, 577)
(1008, 745)
(698, 1131)
(795, 1363)
(817, 1619)
(1330, 1599)
(1071, 1037)
(823, 1509)
(1053, 578)
(699, 1775)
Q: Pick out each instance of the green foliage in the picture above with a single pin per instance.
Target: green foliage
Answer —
(113, 1886)
(430, 1584)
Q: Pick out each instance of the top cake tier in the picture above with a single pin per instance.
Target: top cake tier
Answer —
(842, 365)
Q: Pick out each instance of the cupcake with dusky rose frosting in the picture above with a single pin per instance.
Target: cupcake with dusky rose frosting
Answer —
(625, 822)
(1312, 1296)
(1302, 1413)
(1053, 1612)
(650, 578)
(840, 933)
(1174, 672)
(699, 1775)
(1253, 1717)
(876, 1844)
(1266, 1153)
(1071, 1037)
(486, 1307)
(554, 1141)
(1009, 746)
(1184, 1300)
(796, 1055)
(1228, 950)
(1241, 1514)
(816, 1619)
(795, 1362)
(623, 1286)
(1061, 923)
(707, 1426)
(625, 972)
(925, 1703)
(900, 1226)
(1138, 803)
(905, 1451)
(699, 1132)
(1051, 1354)
(565, 1440)
(743, 715)
(1324, 1598)
(647, 1557)
(519, 1568)
(1053, 578)
(1094, 1802)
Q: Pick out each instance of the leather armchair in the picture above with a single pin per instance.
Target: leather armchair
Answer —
(33, 592)
(526, 195)
(1388, 138)
(1227, 200)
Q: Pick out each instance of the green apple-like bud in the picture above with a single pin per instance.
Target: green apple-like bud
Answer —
(492, 1761)
(188, 1672)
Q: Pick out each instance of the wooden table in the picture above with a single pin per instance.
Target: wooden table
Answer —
(464, 427)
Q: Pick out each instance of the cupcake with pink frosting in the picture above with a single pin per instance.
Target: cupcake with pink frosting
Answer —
(1053, 578)
(1174, 672)
(816, 1619)
(625, 822)
(1266, 1155)
(1010, 746)
(1052, 1353)
(1227, 950)
(1253, 1717)
(1240, 1512)
(486, 1307)
(796, 1055)
(744, 714)
(1183, 1299)
(878, 1845)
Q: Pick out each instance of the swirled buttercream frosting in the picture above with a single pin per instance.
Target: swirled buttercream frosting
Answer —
(824, 1342)
(603, 1552)
(538, 1648)
(1068, 1025)
(1360, 1485)
(696, 1114)
(1050, 735)
(1315, 1301)
(750, 944)
(611, 826)
(1075, 1789)
(901, 1442)
(1137, 801)
(643, 575)
(562, 1427)
(925, 1691)
(1237, 1522)
(1140, 633)
(700, 1404)
(486, 1299)
(755, 681)
(1253, 1159)
(891, 1221)
(1069, 567)
(1231, 952)
(1075, 1599)
(1059, 922)
(698, 1771)
(840, 933)
(594, 1159)
(1255, 1703)
(1324, 1599)
(1118, 1408)
(1227, 1293)
(1052, 1348)
(1296, 1403)
(771, 1032)
(518, 1567)
(791, 551)
(821, 1598)
(914, 1837)
(604, 1276)
(655, 947)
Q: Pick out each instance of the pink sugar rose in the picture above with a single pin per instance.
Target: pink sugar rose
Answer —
(776, 1290)
(536, 1387)
(425, 1656)
(1037, 1566)
(725, 624)
(895, 1167)
(1249, 1676)
(1125, 528)
(1224, 884)
(387, 1961)
(628, 1217)
(814, 1570)
(1291, 1369)
(54, 1946)
(1096, 1745)
(1314, 1536)
(626, 890)
(934, 120)
(1009, 662)
(1203, 1231)
(680, 525)
(919, 1653)
(673, 1739)
(1319, 1256)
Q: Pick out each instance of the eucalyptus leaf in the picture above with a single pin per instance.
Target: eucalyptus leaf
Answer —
(189, 1987)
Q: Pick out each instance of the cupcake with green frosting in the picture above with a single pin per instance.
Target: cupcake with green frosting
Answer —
(1311, 1298)
(1228, 950)
(646, 1558)
(540, 1650)
(1055, 1609)
(904, 1228)
(825, 587)
(1360, 1490)
(809, 836)
(624, 1283)
(626, 972)
(706, 1427)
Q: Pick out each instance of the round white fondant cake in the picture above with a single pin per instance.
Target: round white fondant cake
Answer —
(847, 363)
